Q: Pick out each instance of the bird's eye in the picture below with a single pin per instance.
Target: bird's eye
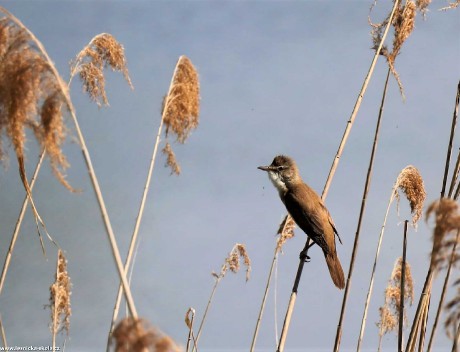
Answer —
(279, 168)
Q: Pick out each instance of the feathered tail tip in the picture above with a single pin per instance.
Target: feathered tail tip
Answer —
(335, 269)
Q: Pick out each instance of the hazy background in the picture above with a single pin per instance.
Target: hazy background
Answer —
(276, 77)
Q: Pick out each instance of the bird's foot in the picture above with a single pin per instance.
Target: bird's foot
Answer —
(304, 256)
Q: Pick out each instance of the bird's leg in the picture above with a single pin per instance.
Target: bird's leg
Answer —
(304, 254)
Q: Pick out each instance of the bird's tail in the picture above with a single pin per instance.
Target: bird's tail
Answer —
(335, 269)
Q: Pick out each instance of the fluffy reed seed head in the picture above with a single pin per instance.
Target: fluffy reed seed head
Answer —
(181, 106)
(403, 24)
(60, 292)
(422, 6)
(389, 312)
(451, 6)
(30, 97)
(452, 309)
(101, 52)
(171, 159)
(285, 232)
(388, 321)
(138, 335)
(410, 182)
(232, 262)
(447, 224)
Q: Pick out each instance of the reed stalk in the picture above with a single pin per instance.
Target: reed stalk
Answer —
(421, 315)
(189, 323)
(451, 138)
(285, 232)
(454, 175)
(402, 286)
(232, 263)
(361, 216)
(443, 294)
(17, 228)
(374, 267)
(108, 226)
(2, 331)
(264, 300)
(332, 173)
(134, 236)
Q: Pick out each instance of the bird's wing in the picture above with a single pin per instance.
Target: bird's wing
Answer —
(307, 216)
(331, 222)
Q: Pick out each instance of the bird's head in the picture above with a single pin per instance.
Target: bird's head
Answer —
(282, 172)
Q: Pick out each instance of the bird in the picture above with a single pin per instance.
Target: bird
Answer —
(308, 211)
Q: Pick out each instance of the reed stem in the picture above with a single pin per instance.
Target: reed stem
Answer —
(443, 294)
(333, 169)
(402, 287)
(65, 91)
(361, 216)
(134, 236)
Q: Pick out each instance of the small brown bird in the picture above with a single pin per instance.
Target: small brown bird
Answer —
(308, 211)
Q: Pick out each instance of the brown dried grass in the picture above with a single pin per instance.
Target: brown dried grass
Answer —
(285, 232)
(451, 6)
(447, 223)
(389, 312)
(403, 24)
(101, 52)
(60, 292)
(30, 97)
(410, 182)
(182, 104)
(171, 159)
(232, 262)
(452, 309)
(138, 335)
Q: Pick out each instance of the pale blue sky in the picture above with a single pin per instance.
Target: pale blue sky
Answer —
(276, 77)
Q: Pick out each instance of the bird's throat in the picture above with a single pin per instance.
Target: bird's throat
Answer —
(277, 182)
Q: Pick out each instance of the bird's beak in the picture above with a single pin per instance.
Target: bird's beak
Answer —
(265, 168)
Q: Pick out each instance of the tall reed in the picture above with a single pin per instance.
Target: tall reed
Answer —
(232, 263)
(180, 114)
(60, 292)
(331, 174)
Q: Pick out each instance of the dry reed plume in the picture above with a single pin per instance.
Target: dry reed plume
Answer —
(138, 335)
(410, 182)
(389, 312)
(171, 159)
(30, 97)
(285, 232)
(232, 263)
(181, 108)
(447, 224)
(60, 292)
(453, 313)
(102, 51)
(182, 105)
(451, 6)
(403, 24)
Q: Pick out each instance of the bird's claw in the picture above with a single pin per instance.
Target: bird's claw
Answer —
(304, 256)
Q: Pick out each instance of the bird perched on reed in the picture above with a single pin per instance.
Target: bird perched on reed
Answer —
(308, 211)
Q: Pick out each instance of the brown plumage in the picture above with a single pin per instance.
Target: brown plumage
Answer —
(308, 211)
